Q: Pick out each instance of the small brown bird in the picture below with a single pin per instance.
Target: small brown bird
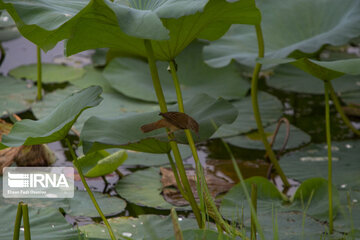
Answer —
(174, 121)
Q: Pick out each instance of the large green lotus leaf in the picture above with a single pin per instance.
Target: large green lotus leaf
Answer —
(132, 77)
(149, 227)
(113, 104)
(297, 25)
(253, 140)
(101, 163)
(144, 188)
(312, 161)
(93, 76)
(271, 110)
(289, 78)
(57, 124)
(324, 70)
(123, 24)
(47, 22)
(185, 21)
(149, 159)
(8, 30)
(51, 73)
(124, 131)
(45, 223)
(234, 203)
(15, 95)
(312, 197)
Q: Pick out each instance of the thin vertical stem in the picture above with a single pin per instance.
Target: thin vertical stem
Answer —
(3, 54)
(173, 144)
(254, 203)
(338, 108)
(176, 175)
(18, 222)
(39, 74)
(254, 100)
(328, 140)
(96, 205)
(25, 213)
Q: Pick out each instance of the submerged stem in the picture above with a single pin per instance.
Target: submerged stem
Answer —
(328, 140)
(337, 105)
(39, 74)
(254, 100)
(174, 147)
(91, 195)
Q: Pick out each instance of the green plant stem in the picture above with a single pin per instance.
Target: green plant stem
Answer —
(254, 204)
(18, 222)
(39, 74)
(91, 195)
(25, 213)
(3, 54)
(328, 140)
(173, 144)
(176, 175)
(254, 100)
(203, 190)
(339, 109)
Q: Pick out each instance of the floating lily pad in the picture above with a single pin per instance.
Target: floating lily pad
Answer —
(270, 108)
(8, 30)
(93, 76)
(290, 226)
(305, 26)
(51, 73)
(132, 77)
(312, 197)
(149, 227)
(253, 140)
(312, 161)
(144, 183)
(124, 131)
(101, 163)
(234, 203)
(290, 78)
(46, 223)
(271, 211)
(81, 204)
(15, 95)
(113, 104)
(57, 124)
(348, 217)
(351, 97)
